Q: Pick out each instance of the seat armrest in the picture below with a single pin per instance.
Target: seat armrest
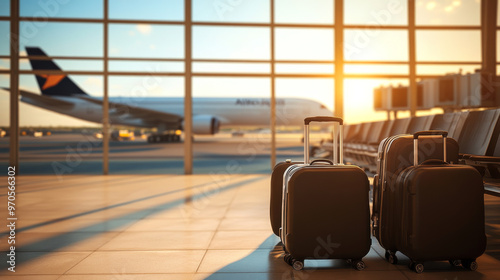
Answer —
(464, 156)
(484, 159)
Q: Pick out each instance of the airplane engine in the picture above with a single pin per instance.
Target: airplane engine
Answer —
(205, 124)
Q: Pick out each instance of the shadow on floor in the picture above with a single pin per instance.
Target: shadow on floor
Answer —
(65, 239)
(492, 215)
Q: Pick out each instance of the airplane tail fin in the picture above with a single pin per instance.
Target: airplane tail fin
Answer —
(52, 84)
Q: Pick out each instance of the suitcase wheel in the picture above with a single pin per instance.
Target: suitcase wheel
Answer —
(455, 263)
(391, 257)
(358, 265)
(297, 265)
(417, 267)
(470, 264)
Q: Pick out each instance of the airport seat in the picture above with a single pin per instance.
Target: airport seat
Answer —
(476, 132)
(362, 149)
(359, 138)
(481, 141)
(386, 131)
(400, 126)
(364, 133)
(350, 132)
(446, 121)
(457, 126)
(369, 151)
(347, 127)
(354, 148)
(420, 124)
(491, 163)
(362, 153)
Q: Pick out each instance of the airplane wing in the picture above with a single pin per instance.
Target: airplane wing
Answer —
(148, 116)
(45, 100)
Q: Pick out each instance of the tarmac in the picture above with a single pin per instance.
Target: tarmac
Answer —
(81, 153)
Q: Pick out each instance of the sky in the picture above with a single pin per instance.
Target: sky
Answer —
(248, 43)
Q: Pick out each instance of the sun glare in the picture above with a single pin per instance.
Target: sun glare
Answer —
(358, 99)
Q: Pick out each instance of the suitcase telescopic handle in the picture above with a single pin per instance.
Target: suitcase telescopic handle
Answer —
(323, 119)
(308, 120)
(430, 132)
(426, 133)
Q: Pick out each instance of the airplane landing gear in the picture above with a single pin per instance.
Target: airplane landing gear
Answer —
(164, 138)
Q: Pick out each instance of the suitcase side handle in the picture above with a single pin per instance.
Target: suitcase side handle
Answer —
(428, 132)
(336, 156)
(323, 119)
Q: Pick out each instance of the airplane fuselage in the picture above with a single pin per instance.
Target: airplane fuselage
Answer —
(229, 111)
(59, 93)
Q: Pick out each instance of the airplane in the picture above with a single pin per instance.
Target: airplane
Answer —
(60, 94)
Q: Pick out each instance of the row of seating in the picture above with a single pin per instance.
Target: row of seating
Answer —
(477, 133)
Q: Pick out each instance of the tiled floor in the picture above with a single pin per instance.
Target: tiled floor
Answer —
(178, 227)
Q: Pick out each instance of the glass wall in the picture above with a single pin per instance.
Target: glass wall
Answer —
(256, 11)
(4, 83)
(376, 12)
(241, 106)
(241, 54)
(449, 45)
(39, 10)
(172, 10)
(4, 114)
(301, 12)
(215, 42)
(146, 87)
(137, 105)
(456, 37)
(376, 45)
(52, 140)
(4, 8)
(298, 98)
(141, 40)
(451, 13)
(361, 99)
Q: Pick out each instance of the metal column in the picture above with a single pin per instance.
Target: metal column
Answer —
(488, 53)
(339, 59)
(188, 106)
(14, 84)
(105, 104)
(412, 63)
(488, 36)
(273, 92)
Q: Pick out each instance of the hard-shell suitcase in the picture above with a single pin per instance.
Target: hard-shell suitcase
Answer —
(276, 194)
(325, 211)
(396, 153)
(442, 212)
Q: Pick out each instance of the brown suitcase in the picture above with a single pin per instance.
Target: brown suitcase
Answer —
(325, 211)
(442, 211)
(276, 194)
(395, 153)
